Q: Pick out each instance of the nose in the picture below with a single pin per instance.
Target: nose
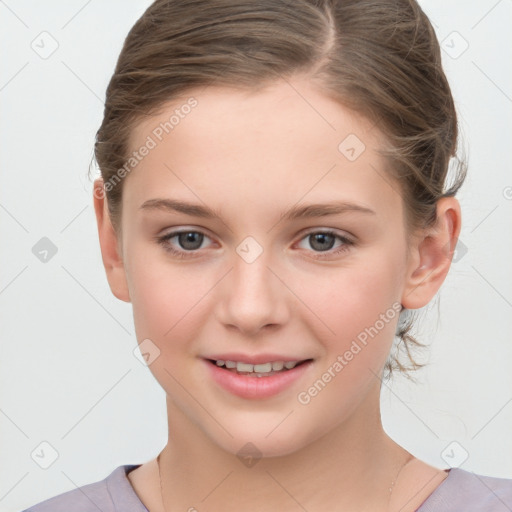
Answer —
(253, 297)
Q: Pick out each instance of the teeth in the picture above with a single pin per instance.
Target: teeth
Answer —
(244, 367)
(263, 368)
(273, 366)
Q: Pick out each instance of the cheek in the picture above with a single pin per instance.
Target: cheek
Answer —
(350, 299)
(362, 309)
(360, 304)
(170, 309)
(168, 301)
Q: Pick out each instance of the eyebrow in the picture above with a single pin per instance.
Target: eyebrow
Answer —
(296, 212)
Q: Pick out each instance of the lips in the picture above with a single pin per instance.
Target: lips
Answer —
(249, 377)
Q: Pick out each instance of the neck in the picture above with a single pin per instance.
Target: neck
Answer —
(350, 468)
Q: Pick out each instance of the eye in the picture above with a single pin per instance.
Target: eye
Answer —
(323, 242)
(189, 240)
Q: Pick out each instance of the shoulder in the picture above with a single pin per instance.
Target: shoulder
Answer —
(108, 495)
(471, 492)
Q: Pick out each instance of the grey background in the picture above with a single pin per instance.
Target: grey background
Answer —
(68, 376)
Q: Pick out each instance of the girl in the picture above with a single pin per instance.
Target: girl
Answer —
(274, 203)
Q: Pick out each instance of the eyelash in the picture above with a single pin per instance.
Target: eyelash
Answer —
(164, 241)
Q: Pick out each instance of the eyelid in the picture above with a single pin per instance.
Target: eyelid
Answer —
(346, 239)
(174, 231)
(347, 242)
(303, 234)
(339, 233)
(166, 236)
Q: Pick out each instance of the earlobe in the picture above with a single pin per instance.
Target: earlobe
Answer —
(109, 244)
(432, 256)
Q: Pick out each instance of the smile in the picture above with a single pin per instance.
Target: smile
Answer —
(257, 381)
(257, 370)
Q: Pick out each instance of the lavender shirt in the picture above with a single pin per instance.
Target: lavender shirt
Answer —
(460, 491)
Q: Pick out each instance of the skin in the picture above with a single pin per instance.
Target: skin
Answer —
(252, 156)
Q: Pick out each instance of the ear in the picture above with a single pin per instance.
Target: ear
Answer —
(110, 245)
(431, 255)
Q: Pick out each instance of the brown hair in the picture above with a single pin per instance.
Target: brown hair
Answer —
(380, 58)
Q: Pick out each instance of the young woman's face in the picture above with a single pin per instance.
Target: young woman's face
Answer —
(263, 276)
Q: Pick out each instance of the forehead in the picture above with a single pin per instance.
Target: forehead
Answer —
(280, 143)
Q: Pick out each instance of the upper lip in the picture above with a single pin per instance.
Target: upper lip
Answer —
(256, 358)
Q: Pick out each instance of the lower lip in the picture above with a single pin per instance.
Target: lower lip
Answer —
(256, 387)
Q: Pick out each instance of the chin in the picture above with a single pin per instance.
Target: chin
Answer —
(259, 447)
(260, 440)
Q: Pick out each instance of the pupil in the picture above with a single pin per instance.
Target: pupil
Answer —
(191, 238)
(322, 238)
